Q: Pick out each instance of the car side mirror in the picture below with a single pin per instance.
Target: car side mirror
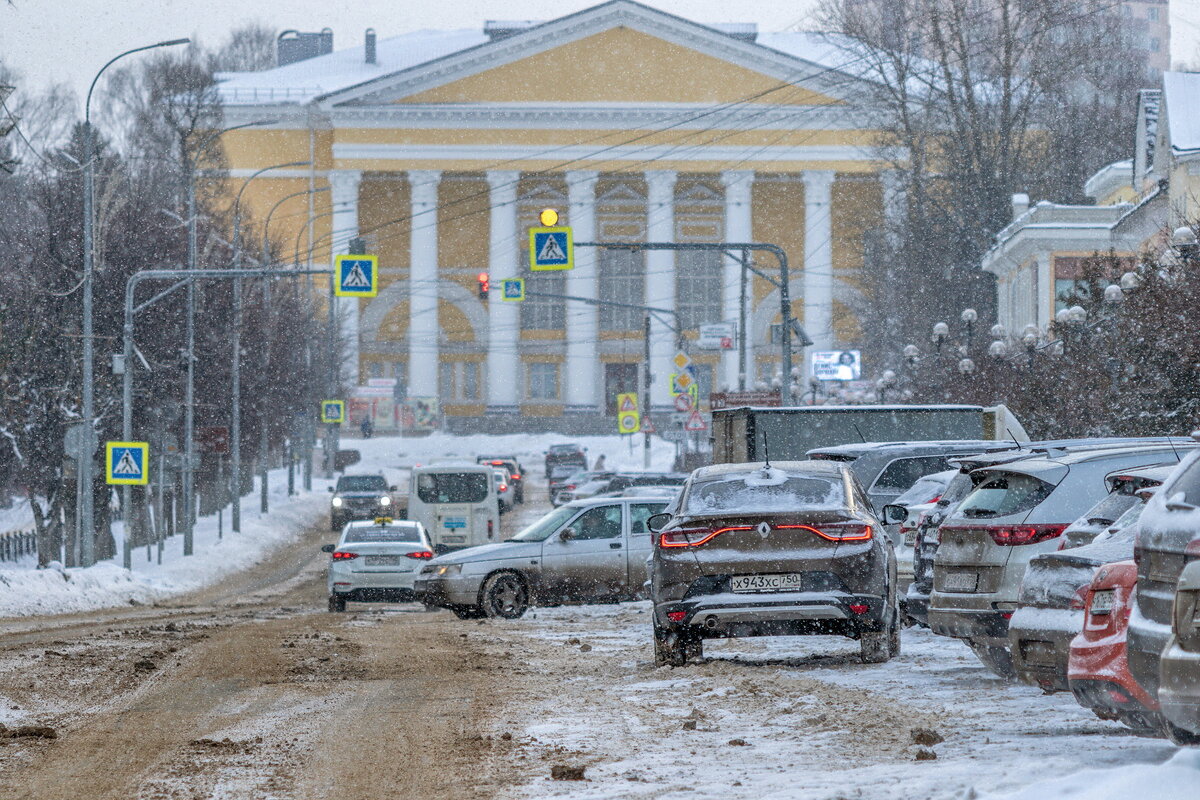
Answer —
(328, 548)
(1176, 503)
(894, 514)
(656, 522)
(331, 490)
(567, 534)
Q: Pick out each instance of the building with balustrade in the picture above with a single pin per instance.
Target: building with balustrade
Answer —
(439, 148)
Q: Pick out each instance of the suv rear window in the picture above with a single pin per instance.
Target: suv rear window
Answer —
(904, 472)
(362, 483)
(452, 487)
(1002, 494)
(1188, 482)
(737, 496)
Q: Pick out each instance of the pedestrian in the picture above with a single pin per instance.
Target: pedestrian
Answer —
(599, 467)
(367, 427)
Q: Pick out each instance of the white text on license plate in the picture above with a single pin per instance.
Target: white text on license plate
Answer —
(787, 582)
(960, 582)
(381, 561)
(453, 539)
(1102, 602)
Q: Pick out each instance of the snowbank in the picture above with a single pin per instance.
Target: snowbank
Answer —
(1176, 779)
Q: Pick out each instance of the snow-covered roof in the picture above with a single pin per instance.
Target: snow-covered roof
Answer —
(315, 77)
(1108, 179)
(1181, 93)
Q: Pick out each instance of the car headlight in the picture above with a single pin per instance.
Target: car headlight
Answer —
(336, 502)
(447, 569)
(385, 501)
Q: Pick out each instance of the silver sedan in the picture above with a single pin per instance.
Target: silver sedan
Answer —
(585, 551)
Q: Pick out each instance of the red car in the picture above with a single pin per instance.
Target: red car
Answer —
(1098, 671)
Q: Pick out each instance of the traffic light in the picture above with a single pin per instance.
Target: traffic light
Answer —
(548, 217)
(484, 285)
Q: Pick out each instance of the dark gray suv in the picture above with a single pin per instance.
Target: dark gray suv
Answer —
(772, 550)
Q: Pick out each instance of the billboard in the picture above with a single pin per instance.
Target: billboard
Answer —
(837, 365)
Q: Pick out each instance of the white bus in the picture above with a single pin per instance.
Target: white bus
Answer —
(456, 503)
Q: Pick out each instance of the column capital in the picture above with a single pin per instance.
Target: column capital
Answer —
(582, 179)
(502, 178)
(817, 181)
(738, 183)
(344, 180)
(660, 184)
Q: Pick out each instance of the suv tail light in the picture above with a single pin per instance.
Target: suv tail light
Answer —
(423, 554)
(1079, 600)
(833, 532)
(342, 555)
(1015, 535)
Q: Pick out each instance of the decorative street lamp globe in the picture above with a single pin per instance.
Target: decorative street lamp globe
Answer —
(941, 330)
(1078, 314)
(911, 351)
(997, 349)
(1063, 317)
(1030, 339)
(1113, 294)
(999, 331)
(1131, 281)
(969, 315)
(1033, 330)
(1185, 242)
(966, 366)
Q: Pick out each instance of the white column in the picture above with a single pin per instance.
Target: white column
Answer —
(895, 204)
(422, 285)
(738, 228)
(343, 189)
(583, 322)
(660, 280)
(504, 323)
(818, 260)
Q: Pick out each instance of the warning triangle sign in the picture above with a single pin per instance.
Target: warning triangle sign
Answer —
(695, 423)
(647, 426)
(356, 278)
(127, 465)
(628, 403)
(551, 250)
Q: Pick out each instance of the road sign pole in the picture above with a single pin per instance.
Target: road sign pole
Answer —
(646, 393)
(743, 340)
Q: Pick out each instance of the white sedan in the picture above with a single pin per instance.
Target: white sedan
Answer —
(376, 561)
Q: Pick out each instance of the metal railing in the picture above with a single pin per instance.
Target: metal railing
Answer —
(16, 544)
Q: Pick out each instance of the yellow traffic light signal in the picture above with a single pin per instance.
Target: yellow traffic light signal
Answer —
(549, 217)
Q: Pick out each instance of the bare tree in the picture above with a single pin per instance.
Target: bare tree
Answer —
(250, 48)
(976, 100)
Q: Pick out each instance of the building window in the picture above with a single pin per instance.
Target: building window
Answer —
(375, 370)
(446, 381)
(1155, 44)
(543, 381)
(1152, 15)
(622, 280)
(470, 381)
(544, 313)
(698, 282)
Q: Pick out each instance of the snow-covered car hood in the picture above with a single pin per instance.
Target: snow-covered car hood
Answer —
(491, 552)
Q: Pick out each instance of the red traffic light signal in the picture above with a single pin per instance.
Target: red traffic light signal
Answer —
(484, 286)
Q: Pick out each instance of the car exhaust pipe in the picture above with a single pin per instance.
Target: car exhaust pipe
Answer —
(710, 622)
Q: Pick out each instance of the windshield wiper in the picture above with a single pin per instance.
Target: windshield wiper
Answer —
(976, 513)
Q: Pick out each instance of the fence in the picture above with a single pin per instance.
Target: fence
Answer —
(15, 544)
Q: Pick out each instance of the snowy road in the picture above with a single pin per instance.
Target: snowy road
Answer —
(250, 689)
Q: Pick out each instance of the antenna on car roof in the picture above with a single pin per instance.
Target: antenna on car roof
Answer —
(856, 430)
(1012, 436)
(1171, 442)
(766, 451)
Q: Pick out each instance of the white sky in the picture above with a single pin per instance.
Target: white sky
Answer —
(68, 40)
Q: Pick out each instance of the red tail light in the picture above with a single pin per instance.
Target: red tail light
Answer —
(516, 476)
(497, 463)
(1193, 549)
(860, 608)
(1016, 535)
(676, 616)
(491, 528)
(570, 487)
(839, 531)
(833, 532)
(1079, 601)
(425, 554)
(694, 537)
(342, 555)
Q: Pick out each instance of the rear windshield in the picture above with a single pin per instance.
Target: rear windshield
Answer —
(926, 490)
(362, 483)
(752, 493)
(1188, 482)
(957, 489)
(388, 533)
(452, 487)
(1002, 494)
(904, 472)
(1108, 510)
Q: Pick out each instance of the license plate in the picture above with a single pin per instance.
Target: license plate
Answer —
(454, 522)
(453, 539)
(787, 582)
(910, 538)
(960, 582)
(1102, 602)
(381, 560)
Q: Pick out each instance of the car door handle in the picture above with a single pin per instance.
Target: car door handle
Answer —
(614, 545)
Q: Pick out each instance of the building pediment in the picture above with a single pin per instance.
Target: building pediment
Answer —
(618, 52)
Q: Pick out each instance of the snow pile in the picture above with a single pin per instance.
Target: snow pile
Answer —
(1177, 779)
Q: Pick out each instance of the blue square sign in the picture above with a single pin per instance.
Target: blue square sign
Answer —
(551, 249)
(127, 463)
(357, 276)
(513, 289)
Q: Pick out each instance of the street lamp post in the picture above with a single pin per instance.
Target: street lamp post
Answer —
(235, 450)
(84, 506)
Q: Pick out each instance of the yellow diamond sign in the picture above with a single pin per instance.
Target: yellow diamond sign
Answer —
(681, 361)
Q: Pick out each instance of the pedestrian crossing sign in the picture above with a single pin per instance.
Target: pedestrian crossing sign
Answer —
(513, 289)
(127, 463)
(551, 249)
(333, 412)
(357, 276)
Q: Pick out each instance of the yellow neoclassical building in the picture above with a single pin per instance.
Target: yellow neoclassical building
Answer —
(439, 148)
